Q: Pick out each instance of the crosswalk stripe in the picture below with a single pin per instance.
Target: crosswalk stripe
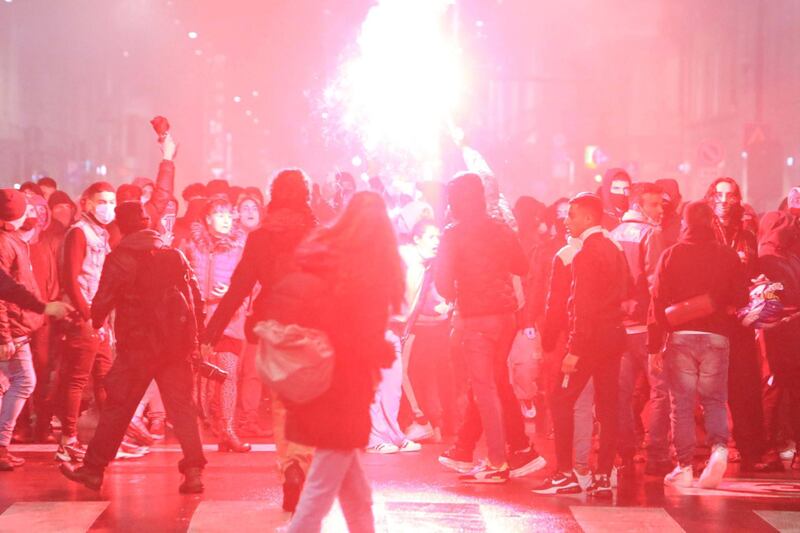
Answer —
(239, 516)
(51, 517)
(51, 448)
(619, 519)
(783, 521)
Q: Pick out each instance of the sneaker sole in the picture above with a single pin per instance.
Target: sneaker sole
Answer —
(602, 493)
(555, 491)
(487, 481)
(534, 466)
(459, 466)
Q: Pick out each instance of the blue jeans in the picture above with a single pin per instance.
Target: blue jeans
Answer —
(17, 381)
(335, 473)
(633, 363)
(486, 342)
(697, 366)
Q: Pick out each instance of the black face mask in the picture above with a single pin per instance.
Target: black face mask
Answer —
(619, 202)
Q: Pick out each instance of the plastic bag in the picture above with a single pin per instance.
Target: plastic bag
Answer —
(296, 362)
(524, 361)
(765, 310)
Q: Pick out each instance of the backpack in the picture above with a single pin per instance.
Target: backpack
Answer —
(168, 302)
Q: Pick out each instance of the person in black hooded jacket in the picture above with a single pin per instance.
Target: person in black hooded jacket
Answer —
(778, 236)
(141, 356)
(267, 257)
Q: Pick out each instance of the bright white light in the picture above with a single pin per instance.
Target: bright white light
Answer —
(237, 99)
(744, 155)
(598, 178)
(255, 94)
(356, 161)
(249, 113)
(790, 161)
(16, 185)
(192, 35)
(398, 93)
(364, 177)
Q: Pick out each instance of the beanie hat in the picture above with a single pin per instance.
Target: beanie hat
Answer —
(131, 217)
(58, 198)
(12, 205)
(129, 193)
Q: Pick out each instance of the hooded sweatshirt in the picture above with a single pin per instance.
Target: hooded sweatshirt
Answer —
(695, 266)
(777, 236)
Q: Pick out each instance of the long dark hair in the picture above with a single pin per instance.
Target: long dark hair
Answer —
(364, 242)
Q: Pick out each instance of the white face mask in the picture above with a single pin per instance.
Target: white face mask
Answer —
(104, 213)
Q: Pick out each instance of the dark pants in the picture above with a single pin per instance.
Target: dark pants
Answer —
(127, 382)
(744, 395)
(491, 404)
(85, 354)
(603, 368)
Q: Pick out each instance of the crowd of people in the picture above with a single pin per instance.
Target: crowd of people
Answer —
(450, 315)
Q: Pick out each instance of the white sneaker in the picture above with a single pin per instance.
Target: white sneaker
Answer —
(419, 432)
(409, 446)
(584, 480)
(383, 448)
(787, 454)
(715, 469)
(680, 477)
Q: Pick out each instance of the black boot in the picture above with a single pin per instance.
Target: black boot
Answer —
(192, 481)
(229, 441)
(86, 476)
(292, 486)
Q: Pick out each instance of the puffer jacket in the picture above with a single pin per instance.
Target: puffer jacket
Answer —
(214, 260)
(267, 257)
(15, 261)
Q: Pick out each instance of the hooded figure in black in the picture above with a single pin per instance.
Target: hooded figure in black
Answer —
(615, 192)
(778, 236)
(129, 286)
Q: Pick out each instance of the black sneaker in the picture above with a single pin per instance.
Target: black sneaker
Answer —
(559, 484)
(600, 487)
(524, 462)
(486, 473)
(457, 459)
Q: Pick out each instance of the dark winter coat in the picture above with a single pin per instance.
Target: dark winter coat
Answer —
(476, 261)
(779, 263)
(355, 317)
(267, 257)
(697, 265)
(599, 286)
(123, 289)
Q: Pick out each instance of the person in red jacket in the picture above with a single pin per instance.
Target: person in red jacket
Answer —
(17, 375)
